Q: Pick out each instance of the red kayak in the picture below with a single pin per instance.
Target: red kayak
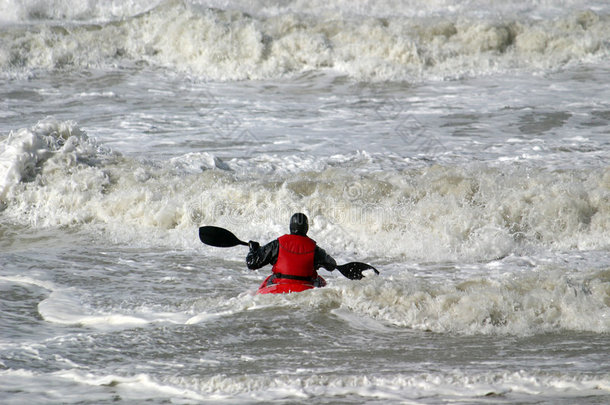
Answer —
(282, 285)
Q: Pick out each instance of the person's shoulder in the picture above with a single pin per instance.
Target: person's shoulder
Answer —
(312, 241)
(273, 242)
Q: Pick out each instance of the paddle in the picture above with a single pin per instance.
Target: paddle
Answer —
(353, 270)
(220, 237)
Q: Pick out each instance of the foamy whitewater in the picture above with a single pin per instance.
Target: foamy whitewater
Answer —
(462, 148)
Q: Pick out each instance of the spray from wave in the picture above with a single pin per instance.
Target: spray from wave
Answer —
(54, 175)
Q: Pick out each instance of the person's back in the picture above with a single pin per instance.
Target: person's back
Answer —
(294, 256)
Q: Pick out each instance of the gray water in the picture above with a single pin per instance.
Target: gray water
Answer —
(469, 166)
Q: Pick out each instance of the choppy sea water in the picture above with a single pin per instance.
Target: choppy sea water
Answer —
(463, 150)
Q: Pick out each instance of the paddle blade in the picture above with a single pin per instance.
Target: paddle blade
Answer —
(353, 270)
(219, 237)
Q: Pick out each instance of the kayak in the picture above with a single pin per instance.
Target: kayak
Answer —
(282, 286)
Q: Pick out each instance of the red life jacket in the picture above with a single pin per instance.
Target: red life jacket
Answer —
(295, 256)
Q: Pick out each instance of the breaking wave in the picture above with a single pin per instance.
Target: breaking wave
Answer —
(228, 44)
(54, 175)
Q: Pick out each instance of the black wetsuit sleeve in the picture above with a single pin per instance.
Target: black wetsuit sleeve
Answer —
(263, 256)
(323, 259)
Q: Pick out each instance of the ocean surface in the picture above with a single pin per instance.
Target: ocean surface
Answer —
(460, 147)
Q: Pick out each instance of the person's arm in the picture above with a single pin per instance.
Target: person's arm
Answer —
(323, 259)
(260, 256)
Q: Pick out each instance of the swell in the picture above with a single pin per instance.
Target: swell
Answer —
(232, 45)
(54, 175)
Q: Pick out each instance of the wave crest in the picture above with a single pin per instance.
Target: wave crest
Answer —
(232, 45)
(54, 175)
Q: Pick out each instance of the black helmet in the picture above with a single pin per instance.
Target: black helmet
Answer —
(299, 224)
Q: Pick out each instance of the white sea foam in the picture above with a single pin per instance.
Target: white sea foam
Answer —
(498, 240)
(48, 285)
(43, 387)
(232, 45)
(12, 11)
(24, 152)
(28, 10)
(455, 384)
(544, 301)
(406, 8)
(55, 176)
(63, 306)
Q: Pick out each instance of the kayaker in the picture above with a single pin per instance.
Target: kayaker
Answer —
(294, 256)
